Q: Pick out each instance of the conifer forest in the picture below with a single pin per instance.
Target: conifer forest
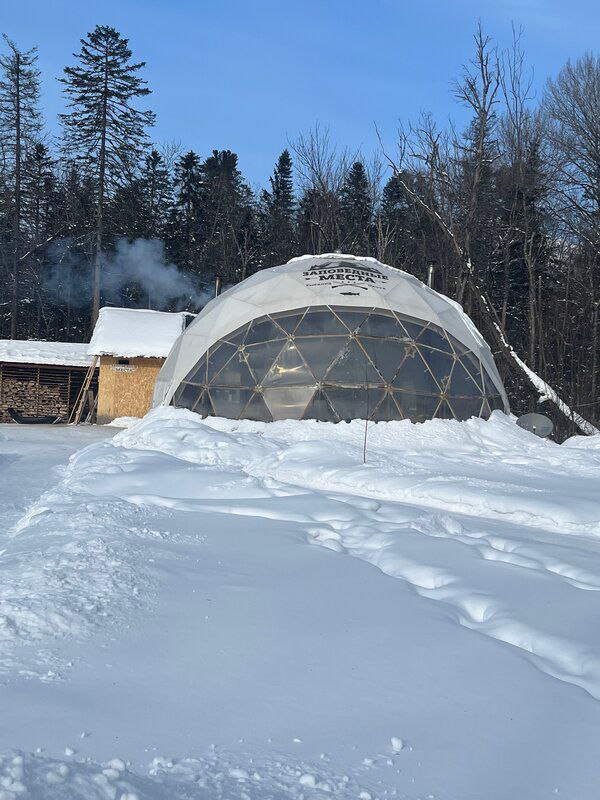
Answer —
(503, 211)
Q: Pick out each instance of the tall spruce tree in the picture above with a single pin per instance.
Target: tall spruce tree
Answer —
(40, 226)
(70, 263)
(19, 130)
(157, 191)
(356, 211)
(102, 126)
(277, 213)
(39, 189)
(392, 223)
(228, 245)
(183, 228)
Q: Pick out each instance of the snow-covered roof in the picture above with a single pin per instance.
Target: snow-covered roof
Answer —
(319, 280)
(68, 354)
(134, 332)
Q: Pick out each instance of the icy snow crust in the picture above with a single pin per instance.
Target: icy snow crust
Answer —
(219, 609)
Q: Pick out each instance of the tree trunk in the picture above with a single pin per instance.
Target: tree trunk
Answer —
(100, 202)
(14, 307)
(531, 302)
(594, 353)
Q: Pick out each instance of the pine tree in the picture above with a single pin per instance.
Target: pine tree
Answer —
(277, 211)
(70, 263)
(39, 190)
(40, 226)
(126, 215)
(102, 126)
(229, 242)
(19, 130)
(392, 223)
(356, 211)
(157, 191)
(183, 228)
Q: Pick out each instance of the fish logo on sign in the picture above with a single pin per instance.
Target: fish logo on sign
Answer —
(345, 275)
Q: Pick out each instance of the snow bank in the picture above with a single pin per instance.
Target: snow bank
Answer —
(71, 354)
(132, 332)
(583, 442)
(486, 469)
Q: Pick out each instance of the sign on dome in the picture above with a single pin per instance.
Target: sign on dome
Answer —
(341, 274)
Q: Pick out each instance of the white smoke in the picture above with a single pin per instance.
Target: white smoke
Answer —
(141, 263)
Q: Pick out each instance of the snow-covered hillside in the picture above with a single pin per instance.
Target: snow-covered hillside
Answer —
(218, 609)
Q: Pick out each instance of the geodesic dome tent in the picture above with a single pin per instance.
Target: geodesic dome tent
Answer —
(332, 338)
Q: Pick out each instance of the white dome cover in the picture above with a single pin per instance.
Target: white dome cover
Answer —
(330, 279)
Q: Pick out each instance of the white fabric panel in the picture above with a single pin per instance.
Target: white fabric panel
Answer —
(343, 280)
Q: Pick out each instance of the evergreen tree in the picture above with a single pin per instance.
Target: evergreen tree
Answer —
(277, 211)
(39, 191)
(392, 223)
(356, 212)
(157, 192)
(229, 244)
(70, 265)
(19, 130)
(102, 126)
(127, 214)
(310, 231)
(40, 226)
(183, 228)
(319, 220)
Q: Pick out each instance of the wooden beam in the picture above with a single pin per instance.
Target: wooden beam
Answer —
(75, 416)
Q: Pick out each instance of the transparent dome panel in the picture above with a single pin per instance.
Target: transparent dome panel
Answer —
(337, 363)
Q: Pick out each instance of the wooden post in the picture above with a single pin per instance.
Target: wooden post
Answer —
(75, 416)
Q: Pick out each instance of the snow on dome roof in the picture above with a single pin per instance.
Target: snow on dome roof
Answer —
(132, 332)
(67, 354)
(319, 280)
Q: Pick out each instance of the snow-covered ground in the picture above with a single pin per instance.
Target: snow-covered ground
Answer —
(217, 609)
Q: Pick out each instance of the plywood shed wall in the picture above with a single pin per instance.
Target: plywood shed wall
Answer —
(40, 389)
(126, 386)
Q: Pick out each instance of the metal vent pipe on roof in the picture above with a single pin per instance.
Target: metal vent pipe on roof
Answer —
(430, 273)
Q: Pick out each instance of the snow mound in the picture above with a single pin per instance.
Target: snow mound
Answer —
(486, 469)
(583, 442)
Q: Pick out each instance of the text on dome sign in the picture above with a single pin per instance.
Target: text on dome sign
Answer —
(341, 274)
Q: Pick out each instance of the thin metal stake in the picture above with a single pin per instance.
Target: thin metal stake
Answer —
(367, 414)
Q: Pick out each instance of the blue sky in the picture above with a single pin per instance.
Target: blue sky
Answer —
(250, 74)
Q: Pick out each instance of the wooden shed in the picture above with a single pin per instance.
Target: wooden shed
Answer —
(131, 346)
(40, 378)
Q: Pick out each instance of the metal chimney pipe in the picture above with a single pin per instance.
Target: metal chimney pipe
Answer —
(430, 273)
(218, 285)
